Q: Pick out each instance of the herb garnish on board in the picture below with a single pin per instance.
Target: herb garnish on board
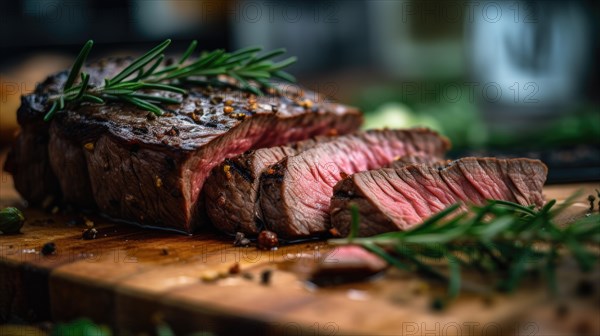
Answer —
(249, 70)
(503, 239)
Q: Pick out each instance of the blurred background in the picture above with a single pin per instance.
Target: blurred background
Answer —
(508, 78)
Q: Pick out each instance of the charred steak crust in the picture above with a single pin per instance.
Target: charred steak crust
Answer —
(29, 159)
(231, 190)
(151, 170)
(295, 193)
(397, 199)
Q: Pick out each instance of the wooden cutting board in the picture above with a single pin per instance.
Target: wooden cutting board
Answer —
(130, 278)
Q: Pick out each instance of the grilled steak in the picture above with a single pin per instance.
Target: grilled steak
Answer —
(231, 190)
(295, 193)
(397, 199)
(149, 170)
(408, 160)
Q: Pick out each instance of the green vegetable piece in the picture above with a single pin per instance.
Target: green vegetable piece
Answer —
(80, 327)
(11, 220)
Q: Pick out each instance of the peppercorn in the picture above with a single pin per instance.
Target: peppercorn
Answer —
(227, 170)
(241, 240)
(235, 268)
(195, 116)
(265, 277)
(11, 220)
(89, 146)
(173, 131)
(334, 232)
(216, 100)
(89, 234)
(267, 240)
(49, 248)
(591, 199)
(437, 304)
(307, 104)
(239, 116)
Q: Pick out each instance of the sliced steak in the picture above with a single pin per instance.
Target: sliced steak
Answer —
(295, 193)
(231, 190)
(149, 170)
(417, 158)
(29, 163)
(398, 199)
(29, 159)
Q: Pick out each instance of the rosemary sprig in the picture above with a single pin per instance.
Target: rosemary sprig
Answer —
(501, 238)
(250, 70)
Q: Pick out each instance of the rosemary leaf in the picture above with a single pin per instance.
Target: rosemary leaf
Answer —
(455, 277)
(141, 62)
(188, 52)
(92, 99)
(284, 76)
(255, 74)
(156, 99)
(76, 68)
(144, 105)
(584, 257)
(284, 64)
(513, 206)
(268, 55)
(116, 92)
(162, 87)
(85, 79)
(152, 68)
(246, 51)
(496, 227)
(51, 111)
(385, 256)
(517, 270)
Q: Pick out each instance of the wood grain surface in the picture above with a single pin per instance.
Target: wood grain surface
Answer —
(131, 278)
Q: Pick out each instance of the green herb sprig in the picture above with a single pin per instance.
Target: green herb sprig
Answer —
(501, 238)
(250, 71)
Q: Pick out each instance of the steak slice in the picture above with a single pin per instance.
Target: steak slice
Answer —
(135, 167)
(398, 199)
(295, 193)
(417, 158)
(231, 190)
